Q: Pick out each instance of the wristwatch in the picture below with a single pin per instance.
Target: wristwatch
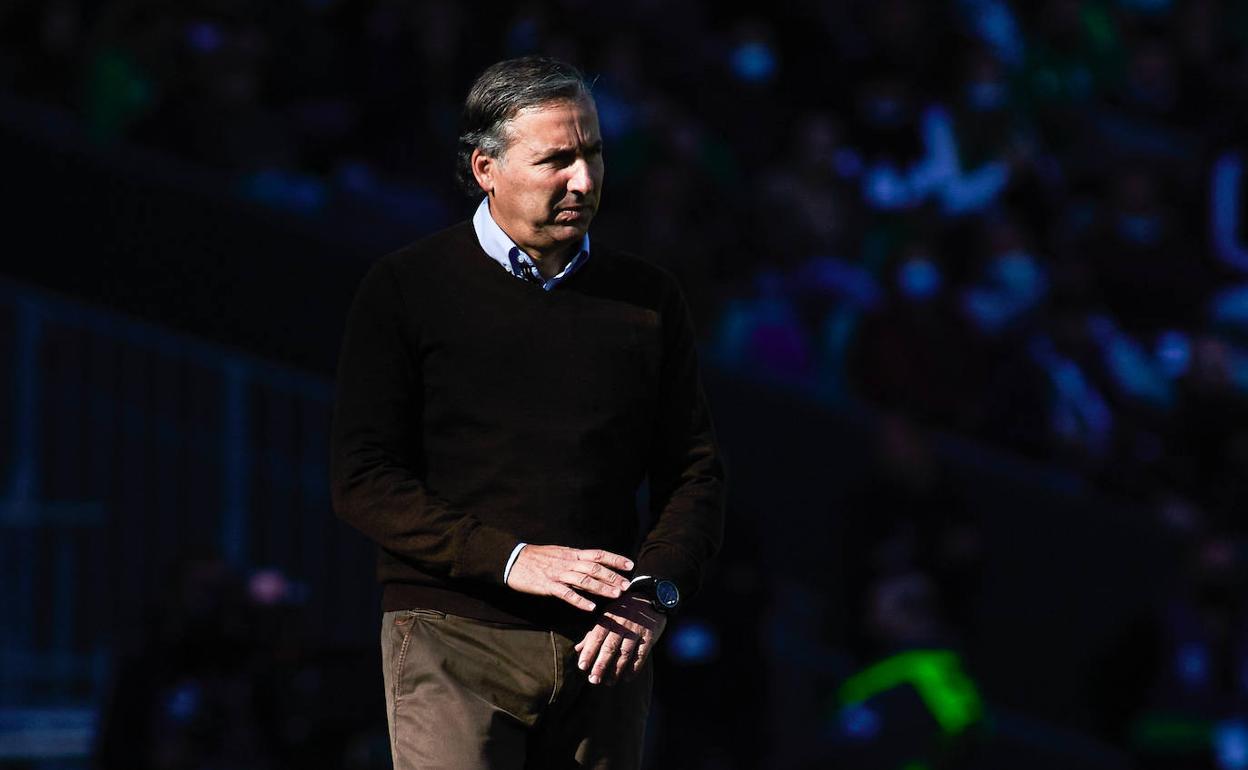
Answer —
(662, 594)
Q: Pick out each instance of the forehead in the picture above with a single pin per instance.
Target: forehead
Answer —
(565, 123)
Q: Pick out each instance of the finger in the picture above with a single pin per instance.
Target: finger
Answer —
(605, 557)
(589, 646)
(601, 573)
(562, 592)
(583, 581)
(643, 652)
(644, 642)
(606, 657)
(624, 661)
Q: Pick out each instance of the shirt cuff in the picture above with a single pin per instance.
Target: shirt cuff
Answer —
(512, 560)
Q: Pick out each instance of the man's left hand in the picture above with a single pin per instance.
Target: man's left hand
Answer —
(619, 643)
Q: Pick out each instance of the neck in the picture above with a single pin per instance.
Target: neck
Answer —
(549, 263)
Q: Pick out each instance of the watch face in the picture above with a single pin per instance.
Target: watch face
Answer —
(667, 594)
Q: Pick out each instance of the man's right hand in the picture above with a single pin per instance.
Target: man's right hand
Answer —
(553, 570)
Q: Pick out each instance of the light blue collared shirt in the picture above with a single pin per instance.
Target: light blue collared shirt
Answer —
(505, 252)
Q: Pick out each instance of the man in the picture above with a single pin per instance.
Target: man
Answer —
(503, 390)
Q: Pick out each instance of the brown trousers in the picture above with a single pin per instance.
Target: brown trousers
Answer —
(470, 694)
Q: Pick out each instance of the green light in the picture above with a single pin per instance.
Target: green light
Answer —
(1160, 732)
(937, 675)
(118, 93)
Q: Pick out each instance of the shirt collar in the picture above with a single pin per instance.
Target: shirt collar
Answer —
(500, 248)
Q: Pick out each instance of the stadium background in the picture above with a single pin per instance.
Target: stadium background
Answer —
(972, 284)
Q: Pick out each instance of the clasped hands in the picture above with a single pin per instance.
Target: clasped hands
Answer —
(628, 627)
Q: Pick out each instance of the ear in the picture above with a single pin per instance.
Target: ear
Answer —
(483, 169)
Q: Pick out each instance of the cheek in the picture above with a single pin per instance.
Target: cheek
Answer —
(553, 191)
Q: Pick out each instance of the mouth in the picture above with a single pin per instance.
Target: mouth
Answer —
(572, 214)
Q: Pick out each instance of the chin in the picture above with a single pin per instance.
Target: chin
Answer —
(565, 233)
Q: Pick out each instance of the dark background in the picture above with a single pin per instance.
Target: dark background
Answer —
(970, 281)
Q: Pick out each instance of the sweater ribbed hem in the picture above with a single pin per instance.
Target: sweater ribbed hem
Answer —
(525, 611)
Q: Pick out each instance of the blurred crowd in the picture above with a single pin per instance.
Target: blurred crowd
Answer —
(1019, 222)
(224, 673)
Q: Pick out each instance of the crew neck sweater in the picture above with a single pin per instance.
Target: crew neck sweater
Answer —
(474, 411)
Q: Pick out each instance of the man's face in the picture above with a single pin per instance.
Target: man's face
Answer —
(545, 187)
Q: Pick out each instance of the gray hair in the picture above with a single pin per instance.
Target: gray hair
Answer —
(498, 94)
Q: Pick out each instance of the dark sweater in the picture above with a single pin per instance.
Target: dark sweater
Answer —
(475, 410)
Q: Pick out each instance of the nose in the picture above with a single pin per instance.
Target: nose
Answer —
(581, 178)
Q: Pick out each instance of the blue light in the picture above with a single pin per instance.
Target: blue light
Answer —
(1230, 740)
(1140, 229)
(1018, 273)
(184, 702)
(986, 96)
(204, 36)
(1079, 411)
(860, 722)
(989, 312)
(1174, 353)
(995, 24)
(1134, 371)
(694, 642)
(754, 62)
(847, 163)
(919, 279)
(356, 176)
(1146, 7)
(290, 191)
(1193, 664)
(884, 188)
(616, 116)
(839, 279)
(1229, 307)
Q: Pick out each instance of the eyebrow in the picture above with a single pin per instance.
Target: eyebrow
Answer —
(568, 149)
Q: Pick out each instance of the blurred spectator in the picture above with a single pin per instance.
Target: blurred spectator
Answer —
(222, 677)
(905, 358)
(912, 560)
(911, 551)
(1147, 270)
(802, 200)
(1174, 684)
(42, 48)
(214, 101)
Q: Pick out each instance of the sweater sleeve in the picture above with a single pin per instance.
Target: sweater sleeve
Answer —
(686, 470)
(376, 457)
